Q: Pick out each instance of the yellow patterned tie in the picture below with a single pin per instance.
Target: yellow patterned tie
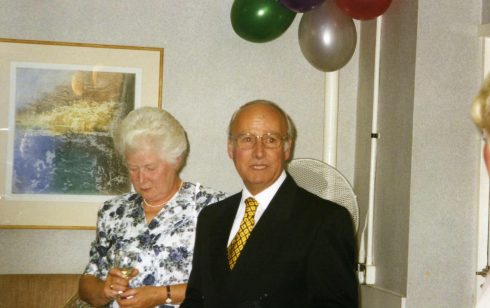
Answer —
(243, 233)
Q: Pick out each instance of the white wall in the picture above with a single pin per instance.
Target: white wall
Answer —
(485, 12)
(428, 153)
(445, 155)
(208, 72)
(395, 121)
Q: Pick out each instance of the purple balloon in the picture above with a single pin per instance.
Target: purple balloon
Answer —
(301, 6)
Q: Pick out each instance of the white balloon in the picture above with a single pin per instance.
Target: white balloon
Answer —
(327, 37)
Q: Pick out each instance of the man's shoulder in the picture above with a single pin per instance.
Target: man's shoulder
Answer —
(318, 204)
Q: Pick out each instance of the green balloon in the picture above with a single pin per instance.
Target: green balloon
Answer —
(260, 21)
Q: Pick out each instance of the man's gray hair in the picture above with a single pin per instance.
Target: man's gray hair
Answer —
(291, 130)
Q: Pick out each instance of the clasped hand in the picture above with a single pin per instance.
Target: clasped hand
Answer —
(117, 288)
(117, 283)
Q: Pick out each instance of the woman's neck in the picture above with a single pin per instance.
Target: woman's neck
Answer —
(158, 203)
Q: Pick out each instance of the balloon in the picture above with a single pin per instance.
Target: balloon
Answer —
(260, 20)
(327, 37)
(363, 9)
(301, 6)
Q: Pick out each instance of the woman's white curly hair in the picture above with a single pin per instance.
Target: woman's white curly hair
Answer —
(154, 127)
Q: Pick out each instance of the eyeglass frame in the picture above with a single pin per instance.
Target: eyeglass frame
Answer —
(281, 138)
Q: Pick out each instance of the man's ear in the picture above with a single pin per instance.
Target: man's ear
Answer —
(287, 149)
(230, 148)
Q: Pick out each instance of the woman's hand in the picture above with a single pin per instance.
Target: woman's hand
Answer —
(116, 283)
(142, 297)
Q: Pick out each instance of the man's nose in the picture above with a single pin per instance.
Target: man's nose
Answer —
(258, 148)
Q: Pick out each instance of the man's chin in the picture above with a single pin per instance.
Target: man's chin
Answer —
(257, 185)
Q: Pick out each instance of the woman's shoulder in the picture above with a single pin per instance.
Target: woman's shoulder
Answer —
(203, 194)
(116, 202)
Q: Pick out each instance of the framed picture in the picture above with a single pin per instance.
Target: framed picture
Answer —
(59, 104)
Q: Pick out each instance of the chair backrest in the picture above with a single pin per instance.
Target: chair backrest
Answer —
(37, 290)
(76, 302)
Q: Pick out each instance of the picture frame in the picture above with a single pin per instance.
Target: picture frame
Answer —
(60, 102)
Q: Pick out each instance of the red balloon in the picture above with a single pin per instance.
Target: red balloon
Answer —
(363, 9)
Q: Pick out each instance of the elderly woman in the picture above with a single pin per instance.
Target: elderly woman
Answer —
(157, 221)
(480, 112)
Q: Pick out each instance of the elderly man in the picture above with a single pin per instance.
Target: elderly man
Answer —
(273, 244)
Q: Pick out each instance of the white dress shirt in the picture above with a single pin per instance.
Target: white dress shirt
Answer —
(263, 198)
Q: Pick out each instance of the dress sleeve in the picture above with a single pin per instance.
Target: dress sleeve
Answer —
(98, 264)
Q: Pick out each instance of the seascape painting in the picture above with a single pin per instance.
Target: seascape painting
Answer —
(62, 120)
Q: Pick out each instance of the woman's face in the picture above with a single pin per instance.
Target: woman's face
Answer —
(486, 156)
(153, 178)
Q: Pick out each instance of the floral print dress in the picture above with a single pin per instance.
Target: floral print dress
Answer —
(164, 245)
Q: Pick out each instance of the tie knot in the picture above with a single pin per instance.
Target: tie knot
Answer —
(251, 205)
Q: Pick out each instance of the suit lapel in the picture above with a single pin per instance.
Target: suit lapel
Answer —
(221, 232)
(262, 245)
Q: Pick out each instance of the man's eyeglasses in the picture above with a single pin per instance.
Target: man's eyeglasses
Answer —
(269, 140)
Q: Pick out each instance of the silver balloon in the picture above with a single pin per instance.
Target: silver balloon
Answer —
(327, 37)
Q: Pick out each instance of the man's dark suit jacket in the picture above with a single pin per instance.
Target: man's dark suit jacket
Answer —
(301, 253)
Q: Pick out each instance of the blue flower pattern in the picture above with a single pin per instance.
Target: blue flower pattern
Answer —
(165, 244)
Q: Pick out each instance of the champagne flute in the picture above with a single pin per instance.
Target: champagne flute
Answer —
(125, 261)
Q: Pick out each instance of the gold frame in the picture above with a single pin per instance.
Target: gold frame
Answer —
(66, 214)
